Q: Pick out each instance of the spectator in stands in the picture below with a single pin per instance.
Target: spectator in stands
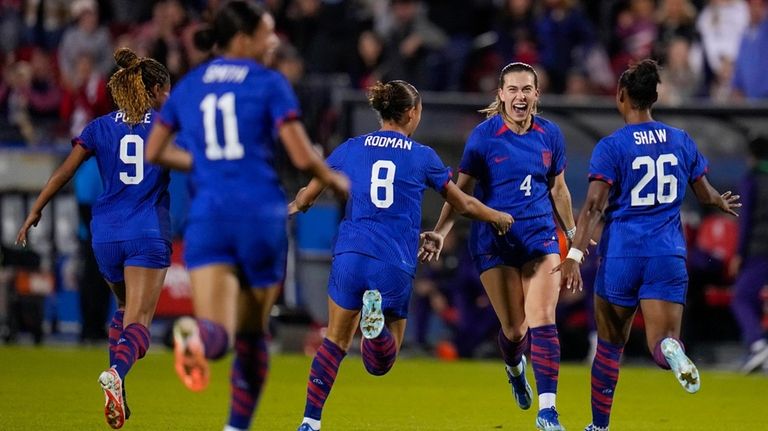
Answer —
(10, 25)
(516, 31)
(560, 30)
(371, 66)
(752, 62)
(752, 261)
(85, 97)
(85, 39)
(676, 19)
(721, 24)
(44, 90)
(44, 22)
(680, 79)
(160, 37)
(412, 44)
(635, 32)
(14, 96)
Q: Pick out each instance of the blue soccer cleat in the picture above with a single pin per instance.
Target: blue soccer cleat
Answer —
(307, 427)
(521, 390)
(592, 427)
(684, 369)
(547, 420)
(372, 319)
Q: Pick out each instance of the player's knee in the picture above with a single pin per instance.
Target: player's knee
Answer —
(514, 333)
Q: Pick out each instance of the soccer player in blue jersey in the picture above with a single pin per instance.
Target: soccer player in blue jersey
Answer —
(131, 223)
(638, 176)
(515, 161)
(227, 112)
(375, 251)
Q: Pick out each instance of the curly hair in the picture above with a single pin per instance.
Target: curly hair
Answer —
(131, 86)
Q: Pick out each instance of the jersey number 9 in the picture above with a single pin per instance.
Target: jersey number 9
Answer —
(136, 159)
(655, 168)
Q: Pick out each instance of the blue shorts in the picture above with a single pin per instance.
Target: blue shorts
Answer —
(112, 257)
(526, 240)
(352, 274)
(257, 248)
(625, 281)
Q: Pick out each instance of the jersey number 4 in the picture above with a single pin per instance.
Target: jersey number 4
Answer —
(387, 184)
(666, 184)
(233, 148)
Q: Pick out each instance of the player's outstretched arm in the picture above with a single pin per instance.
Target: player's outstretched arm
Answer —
(306, 197)
(707, 195)
(432, 241)
(58, 179)
(161, 151)
(589, 220)
(300, 151)
(469, 206)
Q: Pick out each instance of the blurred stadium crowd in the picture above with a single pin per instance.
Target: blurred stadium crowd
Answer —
(57, 54)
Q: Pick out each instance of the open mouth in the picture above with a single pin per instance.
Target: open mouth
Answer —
(520, 108)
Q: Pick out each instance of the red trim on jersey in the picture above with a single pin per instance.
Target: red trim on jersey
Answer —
(450, 175)
(80, 142)
(502, 129)
(601, 178)
(706, 171)
(538, 128)
(290, 116)
(165, 123)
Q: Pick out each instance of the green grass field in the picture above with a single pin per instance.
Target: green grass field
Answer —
(56, 389)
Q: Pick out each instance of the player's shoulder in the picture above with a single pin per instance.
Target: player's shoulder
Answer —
(545, 125)
(489, 128)
(106, 120)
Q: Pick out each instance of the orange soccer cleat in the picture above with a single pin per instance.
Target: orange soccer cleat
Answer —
(189, 352)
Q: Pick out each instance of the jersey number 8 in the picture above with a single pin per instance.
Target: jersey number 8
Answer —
(655, 168)
(387, 183)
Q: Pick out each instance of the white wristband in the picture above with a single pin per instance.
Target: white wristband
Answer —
(575, 254)
(570, 233)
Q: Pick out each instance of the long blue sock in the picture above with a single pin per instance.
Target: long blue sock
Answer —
(605, 375)
(379, 353)
(249, 371)
(214, 337)
(545, 358)
(133, 344)
(513, 351)
(325, 366)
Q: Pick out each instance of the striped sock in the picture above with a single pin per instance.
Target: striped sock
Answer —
(605, 374)
(214, 337)
(379, 353)
(513, 351)
(545, 358)
(133, 344)
(249, 371)
(115, 329)
(322, 374)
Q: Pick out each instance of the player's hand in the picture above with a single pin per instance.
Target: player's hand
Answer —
(292, 208)
(502, 223)
(570, 275)
(339, 183)
(32, 220)
(728, 202)
(430, 246)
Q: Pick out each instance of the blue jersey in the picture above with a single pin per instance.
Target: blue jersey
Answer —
(388, 173)
(135, 201)
(513, 171)
(648, 166)
(226, 113)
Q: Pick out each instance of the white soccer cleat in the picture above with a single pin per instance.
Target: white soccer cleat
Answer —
(372, 318)
(684, 369)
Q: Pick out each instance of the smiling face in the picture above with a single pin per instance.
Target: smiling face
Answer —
(520, 95)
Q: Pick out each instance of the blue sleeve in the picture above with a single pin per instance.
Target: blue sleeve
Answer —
(336, 160)
(557, 165)
(473, 161)
(283, 105)
(436, 173)
(169, 114)
(698, 166)
(604, 163)
(87, 138)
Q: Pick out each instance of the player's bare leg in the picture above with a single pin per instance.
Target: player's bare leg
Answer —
(504, 287)
(663, 320)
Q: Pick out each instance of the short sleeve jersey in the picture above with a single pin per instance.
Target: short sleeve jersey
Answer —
(648, 166)
(388, 173)
(135, 202)
(227, 113)
(513, 171)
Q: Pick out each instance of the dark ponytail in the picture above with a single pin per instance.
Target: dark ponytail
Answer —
(640, 82)
(393, 99)
(237, 16)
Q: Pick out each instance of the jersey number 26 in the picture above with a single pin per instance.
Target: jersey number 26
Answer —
(655, 169)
